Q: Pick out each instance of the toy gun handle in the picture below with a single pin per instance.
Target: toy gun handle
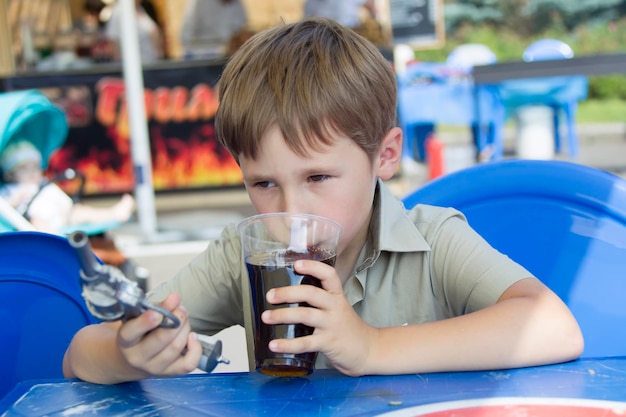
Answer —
(110, 296)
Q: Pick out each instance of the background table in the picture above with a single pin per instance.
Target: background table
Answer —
(432, 94)
(323, 393)
(502, 73)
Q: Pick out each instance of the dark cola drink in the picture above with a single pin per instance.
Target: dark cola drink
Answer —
(272, 270)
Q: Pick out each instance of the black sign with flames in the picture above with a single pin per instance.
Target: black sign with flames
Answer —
(181, 102)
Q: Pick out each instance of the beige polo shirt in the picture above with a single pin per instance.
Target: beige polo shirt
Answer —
(417, 266)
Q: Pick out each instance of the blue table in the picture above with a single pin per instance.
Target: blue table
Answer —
(432, 93)
(324, 393)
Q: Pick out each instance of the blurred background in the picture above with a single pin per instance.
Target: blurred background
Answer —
(70, 51)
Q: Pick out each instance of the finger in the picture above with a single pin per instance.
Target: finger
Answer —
(172, 356)
(135, 329)
(296, 345)
(161, 348)
(294, 294)
(308, 316)
(191, 358)
(188, 360)
(160, 342)
(325, 273)
(171, 302)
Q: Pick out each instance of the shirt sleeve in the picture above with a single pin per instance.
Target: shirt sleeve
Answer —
(210, 286)
(468, 273)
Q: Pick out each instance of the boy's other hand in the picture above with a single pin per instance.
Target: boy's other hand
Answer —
(340, 333)
(157, 351)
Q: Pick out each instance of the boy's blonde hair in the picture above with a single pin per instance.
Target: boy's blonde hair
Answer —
(310, 79)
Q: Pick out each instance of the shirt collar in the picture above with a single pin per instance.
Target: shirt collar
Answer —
(391, 229)
(397, 232)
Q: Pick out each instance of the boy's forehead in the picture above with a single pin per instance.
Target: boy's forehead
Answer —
(304, 141)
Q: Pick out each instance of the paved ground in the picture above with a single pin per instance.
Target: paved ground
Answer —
(187, 220)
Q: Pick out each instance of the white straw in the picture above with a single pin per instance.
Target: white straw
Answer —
(298, 238)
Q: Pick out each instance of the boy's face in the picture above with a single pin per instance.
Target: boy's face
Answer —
(337, 182)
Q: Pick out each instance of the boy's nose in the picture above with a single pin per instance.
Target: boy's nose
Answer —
(292, 204)
(292, 209)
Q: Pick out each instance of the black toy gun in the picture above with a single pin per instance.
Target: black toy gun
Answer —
(111, 296)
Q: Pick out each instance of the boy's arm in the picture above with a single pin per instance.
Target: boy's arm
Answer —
(529, 325)
(93, 356)
(110, 353)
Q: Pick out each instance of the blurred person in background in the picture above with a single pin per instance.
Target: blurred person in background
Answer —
(92, 42)
(346, 12)
(151, 45)
(88, 28)
(210, 25)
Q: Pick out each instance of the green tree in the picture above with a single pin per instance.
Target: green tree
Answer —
(531, 16)
(572, 13)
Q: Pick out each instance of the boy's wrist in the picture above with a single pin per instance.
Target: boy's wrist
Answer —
(374, 362)
(371, 359)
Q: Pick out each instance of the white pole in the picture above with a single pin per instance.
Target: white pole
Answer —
(139, 139)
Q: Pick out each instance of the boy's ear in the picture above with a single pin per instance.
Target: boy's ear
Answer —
(390, 154)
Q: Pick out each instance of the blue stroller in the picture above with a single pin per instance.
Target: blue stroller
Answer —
(30, 114)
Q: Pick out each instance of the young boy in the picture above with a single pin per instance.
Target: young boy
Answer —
(308, 110)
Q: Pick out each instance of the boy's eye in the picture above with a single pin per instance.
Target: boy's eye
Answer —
(264, 184)
(318, 178)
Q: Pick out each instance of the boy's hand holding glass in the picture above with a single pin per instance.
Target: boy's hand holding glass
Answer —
(272, 244)
(345, 339)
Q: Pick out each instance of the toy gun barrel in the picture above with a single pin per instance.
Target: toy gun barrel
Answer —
(88, 263)
(109, 295)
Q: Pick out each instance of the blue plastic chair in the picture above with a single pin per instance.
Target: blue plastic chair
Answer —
(565, 222)
(41, 307)
(562, 94)
(546, 49)
(466, 56)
